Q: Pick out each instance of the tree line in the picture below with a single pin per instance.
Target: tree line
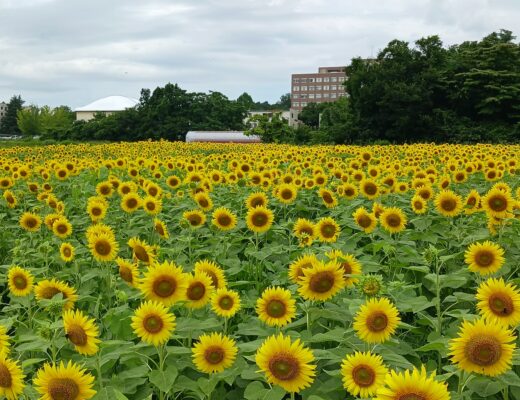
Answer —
(466, 93)
(425, 91)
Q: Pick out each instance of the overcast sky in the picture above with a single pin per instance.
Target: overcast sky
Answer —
(75, 51)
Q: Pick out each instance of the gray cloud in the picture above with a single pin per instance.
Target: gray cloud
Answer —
(74, 51)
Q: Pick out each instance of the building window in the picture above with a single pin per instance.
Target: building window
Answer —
(333, 95)
(318, 79)
(311, 88)
(318, 95)
(325, 95)
(333, 79)
(334, 87)
(310, 80)
(342, 79)
(311, 96)
(296, 80)
(304, 88)
(326, 87)
(296, 104)
(325, 79)
(318, 87)
(296, 88)
(303, 103)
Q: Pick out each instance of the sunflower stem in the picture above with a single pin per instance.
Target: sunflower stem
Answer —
(293, 396)
(160, 351)
(98, 370)
(225, 325)
(438, 308)
(505, 393)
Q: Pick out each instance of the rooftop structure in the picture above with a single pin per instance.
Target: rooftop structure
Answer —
(221, 137)
(107, 105)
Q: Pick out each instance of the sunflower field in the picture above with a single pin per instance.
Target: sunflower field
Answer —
(160, 270)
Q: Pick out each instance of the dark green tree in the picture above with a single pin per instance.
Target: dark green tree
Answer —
(9, 124)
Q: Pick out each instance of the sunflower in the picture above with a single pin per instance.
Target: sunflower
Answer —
(393, 220)
(276, 307)
(328, 198)
(415, 385)
(224, 219)
(152, 205)
(497, 203)
(376, 320)
(214, 353)
(97, 210)
(66, 252)
(499, 302)
(204, 201)
(130, 202)
(350, 191)
(419, 205)
(128, 271)
(64, 381)
(81, 331)
(485, 258)
(210, 268)
(327, 229)
(47, 289)
(103, 247)
(363, 374)
(10, 198)
(225, 303)
(448, 203)
(141, 250)
(259, 219)
(369, 188)
(256, 199)
(20, 281)
(5, 346)
(365, 220)
(195, 218)
(472, 202)
(286, 363)
(351, 266)
(199, 289)
(165, 283)
(296, 267)
(11, 379)
(286, 193)
(321, 281)
(62, 228)
(30, 222)
(304, 227)
(483, 347)
(153, 323)
(160, 228)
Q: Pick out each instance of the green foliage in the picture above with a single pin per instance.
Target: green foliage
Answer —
(9, 125)
(29, 121)
(45, 122)
(273, 129)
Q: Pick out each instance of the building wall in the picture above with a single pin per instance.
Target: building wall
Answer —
(88, 115)
(324, 86)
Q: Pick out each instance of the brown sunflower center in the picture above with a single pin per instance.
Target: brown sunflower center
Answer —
(484, 258)
(20, 282)
(126, 274)
(62, 228)
(226, 302)
(327, 198)
(224, 220)
(287, 194)
(131, 203)
(67, 252)
(497, 203)
(194, 220)
(322, 282)
(159, 229)
(153, 323)
(150, 205)
(141, 253)
(370, 189)
(347, 268)
(30, 222)
(471, 201)
(275, 308)
(363, 375)
(164, 286)
(483, 350)
(214, 355)
(364, 221)
(196, 291)
(349, 192)
(103, 247)
(393, 220)
(307, 230)
(501, 304)
(76, 334)
(284, 367)
(50, 292)
(418, 205)
(203, 203)
(96, 211)
(255, 202)
(328, 230)
(259, 219)
(448, 204)
(5, 376)
(411, 396)
(214, 278)
(63, 389)
(377, 321)
(105, 190)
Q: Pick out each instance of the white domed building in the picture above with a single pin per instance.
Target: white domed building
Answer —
(107, 106)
